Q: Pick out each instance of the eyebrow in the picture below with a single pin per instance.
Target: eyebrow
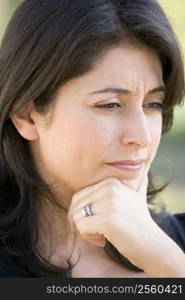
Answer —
(159, 89)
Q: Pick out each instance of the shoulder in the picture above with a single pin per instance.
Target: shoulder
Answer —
(173, 225)
(8, 267)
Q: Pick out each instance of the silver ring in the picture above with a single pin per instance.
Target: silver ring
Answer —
(86, 210)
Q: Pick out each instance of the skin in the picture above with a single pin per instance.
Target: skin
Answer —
(75, 127)
(73, 143)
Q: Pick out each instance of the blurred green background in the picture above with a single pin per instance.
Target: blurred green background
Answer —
(170, 160)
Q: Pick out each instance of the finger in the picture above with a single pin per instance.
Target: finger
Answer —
(89, 225)
(92, 188)
(96, 239)
(84, 197)
(82, 201)
(74, 216)
(81, 198)
(77, 212)
(76, 208)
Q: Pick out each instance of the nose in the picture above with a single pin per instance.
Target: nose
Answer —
(136, 131)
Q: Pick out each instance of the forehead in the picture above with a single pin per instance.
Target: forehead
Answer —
(122, 62)
(125, 66)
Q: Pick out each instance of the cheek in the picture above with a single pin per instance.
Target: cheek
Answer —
(83, 146)
(94, 138)
(78, 144)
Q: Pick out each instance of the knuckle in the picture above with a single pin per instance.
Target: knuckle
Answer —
(75, 197)
(110, 194)
(112, 180)
(108, 209)
(108, 223)
(111, 190)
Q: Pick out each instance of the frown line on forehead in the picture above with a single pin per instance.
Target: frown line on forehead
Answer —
(117, 90)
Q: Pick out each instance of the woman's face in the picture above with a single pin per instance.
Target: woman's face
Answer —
(111, 113)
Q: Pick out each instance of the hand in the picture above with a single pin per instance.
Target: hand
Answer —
(120, 215)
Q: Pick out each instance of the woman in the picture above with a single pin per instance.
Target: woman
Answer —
(86, 89)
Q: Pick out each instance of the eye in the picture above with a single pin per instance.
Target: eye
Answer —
(108, 106)
(154, 106)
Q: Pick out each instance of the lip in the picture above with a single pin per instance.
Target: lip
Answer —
(128, 165)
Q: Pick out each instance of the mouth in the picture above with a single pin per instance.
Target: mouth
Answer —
(128, 165)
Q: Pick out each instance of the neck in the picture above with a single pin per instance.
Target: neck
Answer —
(56, 241)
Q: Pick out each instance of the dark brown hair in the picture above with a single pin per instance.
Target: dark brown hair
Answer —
(46, 44)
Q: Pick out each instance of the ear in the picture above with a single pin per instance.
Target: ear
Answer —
(25, 123)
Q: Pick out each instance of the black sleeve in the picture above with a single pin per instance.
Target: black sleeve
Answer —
(173, 225)
(179, 221)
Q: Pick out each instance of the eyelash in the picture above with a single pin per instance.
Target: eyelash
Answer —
(156, 105)
(106, 106)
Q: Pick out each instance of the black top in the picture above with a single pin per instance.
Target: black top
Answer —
(8, 267)
(173, 225)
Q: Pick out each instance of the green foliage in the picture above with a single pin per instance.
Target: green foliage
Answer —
(175, 10)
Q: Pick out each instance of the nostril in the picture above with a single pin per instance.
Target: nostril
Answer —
(140, 137)
(139, 128)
